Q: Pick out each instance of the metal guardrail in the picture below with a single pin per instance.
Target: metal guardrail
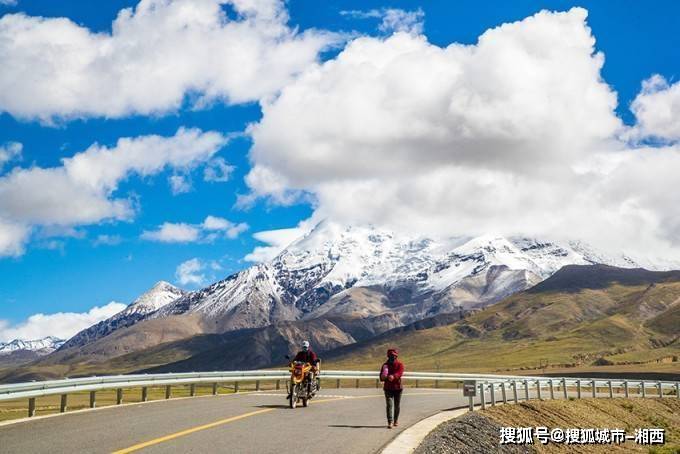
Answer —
(487, 383)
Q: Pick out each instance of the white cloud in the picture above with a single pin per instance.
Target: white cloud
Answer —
(173, 233)
(516, 134)
(212, 228)
(179, 184)
(10, 151)
(276, 241)
(657, 109)
(392, 19)
(157, 54)
(217, 170)
(107, 240)
(82, 190)
(8, 2)
(193, 272)
(61, 324)
(13, 238)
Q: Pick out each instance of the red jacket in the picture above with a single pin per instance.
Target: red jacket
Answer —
(396, 369)
(307, 356)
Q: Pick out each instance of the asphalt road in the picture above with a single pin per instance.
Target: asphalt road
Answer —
(337, 421)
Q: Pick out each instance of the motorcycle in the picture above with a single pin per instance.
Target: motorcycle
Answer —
(301, 387)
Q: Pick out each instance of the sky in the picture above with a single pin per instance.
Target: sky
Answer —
(185, 140)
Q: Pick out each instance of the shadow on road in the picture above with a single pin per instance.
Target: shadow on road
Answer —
(271, 406)
(356, 427)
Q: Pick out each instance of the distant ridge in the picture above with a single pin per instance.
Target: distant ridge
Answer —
(573, 278)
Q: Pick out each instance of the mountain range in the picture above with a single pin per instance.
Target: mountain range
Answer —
(336, 285)
(20, 351)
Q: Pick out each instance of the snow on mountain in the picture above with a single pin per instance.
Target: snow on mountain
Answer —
(423, 276)
(44, 346)
(158, 296)
(341, 272)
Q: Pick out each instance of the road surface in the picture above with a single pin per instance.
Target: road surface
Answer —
(337, 421)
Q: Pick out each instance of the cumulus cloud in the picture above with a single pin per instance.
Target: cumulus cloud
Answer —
(179, 184)
(8, 2)
(10, 151)
(392, 19)
(82, 189)
(158, 53)
(196, 272)
(516, 134)
(62, 325)
(211, 229)
(217, 170)
(657, 109)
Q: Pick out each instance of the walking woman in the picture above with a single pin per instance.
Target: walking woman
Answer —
(390, 373)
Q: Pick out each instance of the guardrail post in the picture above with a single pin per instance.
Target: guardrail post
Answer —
(31, 407)
(168, 391)
(611, 390)
(505, 399)
(377, 383)
(594, 388)
(417, 383)
(119, 396)
(337, 383)
(526, 389)
(192, 389)
(214, 389)
(538, 389)
(481, 395)
(236, 387)
(564, 388)
(514, 390)
(145, 394)
(257, 385)
(578, 389)
(278, 384)
(677, 390)
(625, 388)
(93, 399)
(356, 383)
(63, 405)
(436, 383)
(644, 391)
(660, 390)
(493, 393)
(552, 390)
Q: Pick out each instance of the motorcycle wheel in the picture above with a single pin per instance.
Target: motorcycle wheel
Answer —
(293, 397)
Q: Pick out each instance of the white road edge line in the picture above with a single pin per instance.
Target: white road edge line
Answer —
(409, 440)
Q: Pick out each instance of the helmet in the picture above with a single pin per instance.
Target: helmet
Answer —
(305, 345)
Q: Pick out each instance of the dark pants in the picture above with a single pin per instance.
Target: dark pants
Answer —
(392, 400)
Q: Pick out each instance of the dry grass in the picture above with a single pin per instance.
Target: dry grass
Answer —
(627, 414)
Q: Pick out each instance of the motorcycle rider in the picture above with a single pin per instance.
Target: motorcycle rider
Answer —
(307, 355)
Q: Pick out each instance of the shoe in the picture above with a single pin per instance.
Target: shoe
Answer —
(396, 423)
(389, 425)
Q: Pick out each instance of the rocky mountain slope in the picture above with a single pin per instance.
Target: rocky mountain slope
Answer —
(161, 294)
(352, 282)
(580, 316)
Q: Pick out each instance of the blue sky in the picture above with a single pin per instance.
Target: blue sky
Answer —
(65, 269)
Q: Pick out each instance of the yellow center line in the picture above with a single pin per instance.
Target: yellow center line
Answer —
(182, 433)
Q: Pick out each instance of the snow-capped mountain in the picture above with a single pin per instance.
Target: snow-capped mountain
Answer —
(42, 346)
(411, 277)
(161, 294)
(363, 279)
